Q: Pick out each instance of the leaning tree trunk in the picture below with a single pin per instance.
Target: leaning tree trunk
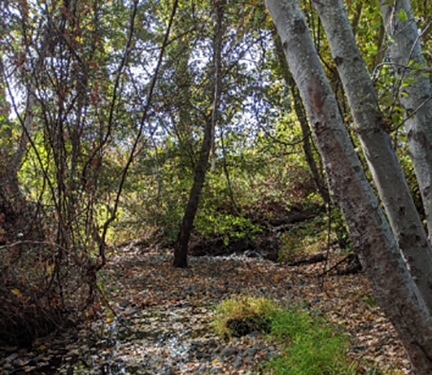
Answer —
(181, 249)
(378, 251)
(376, 142)
(416, 97)
(301, 116)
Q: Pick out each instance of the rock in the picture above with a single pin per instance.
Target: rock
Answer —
(253, 334)
(252, 254)
(11, 357)
(238, 362)
(201, 370)
(258, 346)
(215, 370)
(248, 359)
(167, 370)
(229, 351)
(218, 349)
(251, 352)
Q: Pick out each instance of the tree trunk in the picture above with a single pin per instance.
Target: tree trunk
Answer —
(415, 97)
(301, 116)
(181, 249)
(220, 29)
(391, 281)
(377, 145)
(183, 83)
(11, 158)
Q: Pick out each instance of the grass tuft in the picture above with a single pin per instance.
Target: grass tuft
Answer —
(243, 315)
(310, 345)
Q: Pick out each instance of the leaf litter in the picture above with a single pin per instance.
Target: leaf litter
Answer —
(159, 320)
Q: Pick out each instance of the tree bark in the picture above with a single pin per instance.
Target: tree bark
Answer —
(220, 29)
(183, 82)
(181, 249)
(378, 251)
(377, 145)
(416, 97)
(301, 116)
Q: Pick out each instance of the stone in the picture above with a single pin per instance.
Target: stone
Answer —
(238, 362)
(251, 352)
(167, 370)
(215, 370)
(229, 351)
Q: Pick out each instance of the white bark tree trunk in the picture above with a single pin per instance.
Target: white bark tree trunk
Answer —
(393, 285)
(371, 129)
(416, 97)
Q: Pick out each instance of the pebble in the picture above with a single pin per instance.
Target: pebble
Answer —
(238, 362)
(201, 369)
(215, 370)
(167, 370)
(229, 351)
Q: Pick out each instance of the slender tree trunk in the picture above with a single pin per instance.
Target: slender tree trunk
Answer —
(416, 97)
(8, 178)
(301, 116)
(219, 32)
(183, 83)
(17, 149)
(356, 18)
(15, 152)
(379, 57)
(181, 249)
(377, 145)
(378, 251)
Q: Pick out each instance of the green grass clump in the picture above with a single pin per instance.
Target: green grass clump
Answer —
(310, 346)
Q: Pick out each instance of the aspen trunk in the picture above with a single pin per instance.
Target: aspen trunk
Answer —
(378, 251)
(376, 142)
(415, 97)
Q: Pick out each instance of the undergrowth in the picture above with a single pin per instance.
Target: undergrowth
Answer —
(310, 345)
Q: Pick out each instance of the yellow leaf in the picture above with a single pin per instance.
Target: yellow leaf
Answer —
(50, 269)
(17, 292)
(110, 319)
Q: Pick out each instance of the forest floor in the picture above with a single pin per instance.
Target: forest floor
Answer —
(160, 319)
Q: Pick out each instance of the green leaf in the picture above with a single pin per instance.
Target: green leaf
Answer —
(402, 15)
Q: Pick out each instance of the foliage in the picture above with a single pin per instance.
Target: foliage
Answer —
(310, 345)
(86, 72)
